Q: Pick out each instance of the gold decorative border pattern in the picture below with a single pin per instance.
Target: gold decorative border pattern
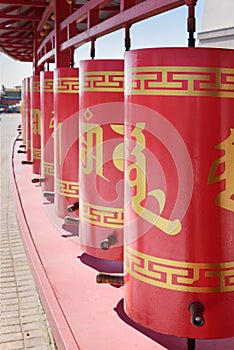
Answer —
(48, 85)
(101, 216)
(67, 188)
(179, 275)
(103, 81)
(36, 153)
(35, 86)
(48, 168)
(181, 81)
(67, 85)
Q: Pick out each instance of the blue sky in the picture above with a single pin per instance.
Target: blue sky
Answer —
(167, 29)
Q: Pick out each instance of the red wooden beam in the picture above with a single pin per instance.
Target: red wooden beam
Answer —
(16, 29)
(10, 9)
(48, 38)
(16, 45)
(18, 35)
(25, 3)
(128, 15)
(47, 57)
(62, 11)
(17, 38)
(134, 14)
(20, 17)
(81, 13)
(46, 15)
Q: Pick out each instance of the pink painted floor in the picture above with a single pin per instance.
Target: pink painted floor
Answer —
(82, 314)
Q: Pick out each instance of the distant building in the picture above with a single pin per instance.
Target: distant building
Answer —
(217, 24)
(10, 96)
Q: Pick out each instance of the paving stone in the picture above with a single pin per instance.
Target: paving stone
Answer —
(7, 279)
(25, 288)
(5, 289)
(21, 312)
(35, 342)
(14, 307)
(10, 301)
(28, 300)
(27, 312)
(27, 293)
(11, 321)
(9, 314)
(41, 347)
(8, 337)
(37, 333)
(5, 284)
(31, 318)
(8, 272)
(10, 329)
(30, 326)
(13, 345)
(9, 296)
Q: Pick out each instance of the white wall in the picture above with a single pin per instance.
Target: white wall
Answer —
(217, 24)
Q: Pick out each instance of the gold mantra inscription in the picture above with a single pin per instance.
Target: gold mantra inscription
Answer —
(48, 168)
(179, 81)
(36, 121)
(136, 177)
(178, 275)
(92, 148)
(48, 85)
(225, 199)
(103, 81)
(102, 216)
(35, 86)
(36, 153)
(67, 85)
(67, 188)
(92, 159)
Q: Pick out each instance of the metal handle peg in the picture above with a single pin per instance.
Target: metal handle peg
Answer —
(196, 310)
(109, 241)
(73, 207)
(71, 221)
(110, 278)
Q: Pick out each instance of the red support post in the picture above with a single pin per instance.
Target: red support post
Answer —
(62, 11)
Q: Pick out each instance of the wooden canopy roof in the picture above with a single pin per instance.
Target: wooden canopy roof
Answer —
(43, 31)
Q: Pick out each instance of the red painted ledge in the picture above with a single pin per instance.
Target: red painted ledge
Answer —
(82, 314)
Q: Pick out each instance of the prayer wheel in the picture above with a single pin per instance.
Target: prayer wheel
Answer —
(35, 113)
(179, 216)
(66, 108)
(47, 130)
(28, 120)
(101, 158)
(23, 112)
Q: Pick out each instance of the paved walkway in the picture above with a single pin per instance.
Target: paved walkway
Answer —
(23, 321)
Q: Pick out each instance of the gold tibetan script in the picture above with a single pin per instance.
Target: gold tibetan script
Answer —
(36, 121)
(51, 124)
(92, 149)
(136, 176)
(92, 159)
(225, 199)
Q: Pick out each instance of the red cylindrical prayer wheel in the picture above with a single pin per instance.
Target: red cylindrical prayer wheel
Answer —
(66, 108)
(179, 254)
(101, 155)
(47, 130)
(28, 120)
(23, 111)
(36, 123)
